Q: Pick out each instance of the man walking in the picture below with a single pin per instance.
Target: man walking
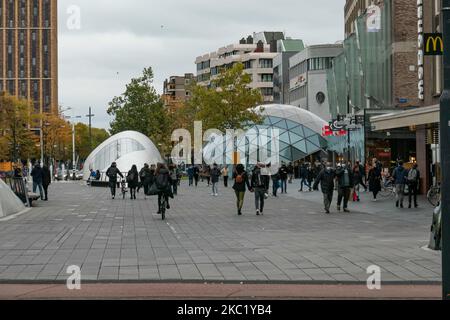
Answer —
(303, 177)
(345, 185)
(225, 176)
(290, 170)
(112, 174)
(413, 184)
(38, 175)
(46, 180)
(283, 172)
(240, 182)
(326, 179)
(190, 173)
(399, 177)
(259, 186)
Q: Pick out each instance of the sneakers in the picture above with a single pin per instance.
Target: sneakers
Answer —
(257, 212)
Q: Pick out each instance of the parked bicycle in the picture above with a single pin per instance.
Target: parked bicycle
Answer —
(434, 195)
(387, 188)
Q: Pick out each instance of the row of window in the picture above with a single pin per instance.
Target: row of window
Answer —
(310, 65)
(22, 13)
(298, 93)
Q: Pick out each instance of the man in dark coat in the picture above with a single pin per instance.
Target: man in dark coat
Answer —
(112, 174)
(345, 178)
(37, 175)
(46, 181)
(326, 179)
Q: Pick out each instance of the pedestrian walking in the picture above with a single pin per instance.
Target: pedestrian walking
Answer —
(258, 186)
(399, 176)
(290, 170)
(146, 176)
(240, 178)
(196, 175)
(345, 185)
(37, 176)
(190, 173)
(413, 180)
(303, 177)
(225, 176)
(174, 179)
(214, 176)
(112, 174)
(46, 180)
(133, 181)
(283, 172)
(326, 180)
(275, 184)
(310, 176)
(375, 179)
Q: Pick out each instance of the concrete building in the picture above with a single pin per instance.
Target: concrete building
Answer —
(29, 52)
(176, 90)
(308, 78)
(255, 52)
(286, 49)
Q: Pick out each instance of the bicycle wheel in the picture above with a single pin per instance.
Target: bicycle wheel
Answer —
(434, 196)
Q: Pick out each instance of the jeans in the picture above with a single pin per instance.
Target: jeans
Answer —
(275, 187)
(400, 192)
(240, 195)
(191, 181)
(215, 189)
(41, 191)
(344, 194)
(113, 186)
(304, 182)
(283, 186)
(413, 190)
(259, 199)
(175, 187)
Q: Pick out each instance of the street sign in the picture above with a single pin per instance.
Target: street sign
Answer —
(434, 44)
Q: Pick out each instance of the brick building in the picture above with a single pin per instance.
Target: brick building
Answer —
(176, 90)
(29, 52)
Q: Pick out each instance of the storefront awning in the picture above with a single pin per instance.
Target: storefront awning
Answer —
(402, 119)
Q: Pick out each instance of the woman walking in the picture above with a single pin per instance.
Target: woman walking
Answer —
(133, 181)
(375, 181)
(240, 182)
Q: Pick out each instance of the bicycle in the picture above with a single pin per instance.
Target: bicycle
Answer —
(434, 195)
(387, 189)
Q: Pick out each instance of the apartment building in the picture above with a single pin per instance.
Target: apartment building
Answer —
(29, 53)
(255, 52)
(176, 90)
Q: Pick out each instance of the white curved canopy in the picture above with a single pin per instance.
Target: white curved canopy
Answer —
(9, 203)
(127, 148)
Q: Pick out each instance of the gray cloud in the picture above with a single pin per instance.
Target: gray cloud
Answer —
(119, 38)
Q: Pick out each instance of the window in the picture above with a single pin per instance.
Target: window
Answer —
(265, 63)
(266, 78)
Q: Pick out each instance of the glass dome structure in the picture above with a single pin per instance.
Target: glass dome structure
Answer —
(300, 135)
(127, 148)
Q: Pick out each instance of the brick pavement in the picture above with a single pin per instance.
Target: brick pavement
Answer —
(203, 239)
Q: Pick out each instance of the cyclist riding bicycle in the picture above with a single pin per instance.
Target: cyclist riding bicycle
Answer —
(163, 182)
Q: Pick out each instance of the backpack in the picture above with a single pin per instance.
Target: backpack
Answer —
(162, 181)
(240, 178)
(412, 175)
(130, 177)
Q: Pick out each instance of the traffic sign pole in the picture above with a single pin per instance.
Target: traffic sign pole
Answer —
(445, 153)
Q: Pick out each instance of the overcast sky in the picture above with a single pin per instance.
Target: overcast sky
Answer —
(117, 39)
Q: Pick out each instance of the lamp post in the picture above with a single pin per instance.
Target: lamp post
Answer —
(445, 153)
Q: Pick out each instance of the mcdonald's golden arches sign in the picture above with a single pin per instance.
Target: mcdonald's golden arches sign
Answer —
(433, 44)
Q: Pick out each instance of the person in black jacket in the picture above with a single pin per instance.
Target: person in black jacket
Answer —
(112, 174)
(413, 181)
(133, 181)
(283, 172)
(163, 181)
(46, 181)
(240, 178)
(37, 175)
(326, 179)
(344, 175)
(258, 185)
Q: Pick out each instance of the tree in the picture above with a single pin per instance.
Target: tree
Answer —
(228, 104)
(56, 134)
(141, 109)
(15, 118)
(82, 146)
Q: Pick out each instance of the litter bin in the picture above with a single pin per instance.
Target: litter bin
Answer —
(436, 230)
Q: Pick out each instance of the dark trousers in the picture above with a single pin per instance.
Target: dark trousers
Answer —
(413, 190)
(175, 187)
(160, 195)
(260, 194)
(113, 186)
(283, 186)
(275, 187)
(375, 194)
(328, 199)
(304, 182)
(46, 191)
(191, 181)
(344, 194)
(225, 181)
(196, 180)
(133, 192)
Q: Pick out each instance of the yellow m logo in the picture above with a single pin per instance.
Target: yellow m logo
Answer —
(434, 40)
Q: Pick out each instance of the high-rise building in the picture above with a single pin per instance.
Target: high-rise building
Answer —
(176, 90)
(255, 52)
(29, 52)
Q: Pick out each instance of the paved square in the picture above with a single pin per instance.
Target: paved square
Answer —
(203, 239)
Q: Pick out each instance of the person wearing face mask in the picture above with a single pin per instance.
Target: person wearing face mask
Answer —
(326, 179)
(344, 176)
